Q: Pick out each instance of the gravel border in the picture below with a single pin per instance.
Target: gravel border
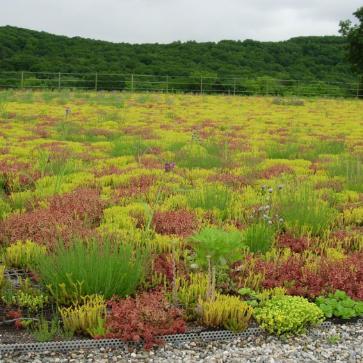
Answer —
(337, 343)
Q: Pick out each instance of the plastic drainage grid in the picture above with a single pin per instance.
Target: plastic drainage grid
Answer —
(115, 343)
(17, 275)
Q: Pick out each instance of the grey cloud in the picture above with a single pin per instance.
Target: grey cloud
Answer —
(164, 21)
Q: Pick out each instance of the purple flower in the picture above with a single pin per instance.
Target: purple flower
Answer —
(169, 166)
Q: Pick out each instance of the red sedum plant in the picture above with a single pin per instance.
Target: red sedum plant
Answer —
(144, 318)
(67, 216)
(301, 279)
(180, 222)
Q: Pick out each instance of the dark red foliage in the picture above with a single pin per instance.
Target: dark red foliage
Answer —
(275, 170)
(163, 264)
(15, 174)
(84, 204)
(15, 315)
(231, 180)
(67, 216)
(346, 275)
(180, 222)
(296, 244)
(304, 280)
(144, 318)
(136, 186)
(150, 162)
(112, 170)
(335, 185)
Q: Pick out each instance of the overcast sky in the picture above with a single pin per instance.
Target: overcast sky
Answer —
(164, 21)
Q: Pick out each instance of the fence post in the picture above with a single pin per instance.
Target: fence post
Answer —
(22, 80)
(167, 84)
(358, 87)
(266, 87)
(234, 87)
(201, 84)
(96, 81)
(59, 80)
(132, 82)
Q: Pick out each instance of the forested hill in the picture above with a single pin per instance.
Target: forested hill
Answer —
(310, 58)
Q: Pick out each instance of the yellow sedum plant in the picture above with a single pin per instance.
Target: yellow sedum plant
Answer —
(23, 254)
(85, 317)
(286, 315)
(225, 311)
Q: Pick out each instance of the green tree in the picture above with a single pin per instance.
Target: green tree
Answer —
(354, 34)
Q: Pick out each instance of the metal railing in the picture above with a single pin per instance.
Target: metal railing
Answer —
(178, 83)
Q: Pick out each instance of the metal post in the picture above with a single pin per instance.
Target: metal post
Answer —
(59, 80)
(22, 80)
(167, 84)
(201, 85)
(96, 81)
(234, 87)
(132, 83)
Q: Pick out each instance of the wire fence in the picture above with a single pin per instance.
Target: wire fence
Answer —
(179, 84)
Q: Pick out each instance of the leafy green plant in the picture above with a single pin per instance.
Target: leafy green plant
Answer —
(33, 302)
(334, 339)
(45, 331)
(287, 315)
(340, 305)
(259, 237)
(259, 298)
(225, 311)
(24, 296)
(92, 267)
(220, 246)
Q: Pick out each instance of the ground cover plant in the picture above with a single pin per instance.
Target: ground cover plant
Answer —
(132, 216)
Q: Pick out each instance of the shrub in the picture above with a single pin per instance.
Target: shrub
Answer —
(23, 254)
(222, 247)
(259, 237)
(180, 222)
(143, 318)
(85, 317)
(225, 311)
(339, 305)
(92, 267)
(287, 315)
